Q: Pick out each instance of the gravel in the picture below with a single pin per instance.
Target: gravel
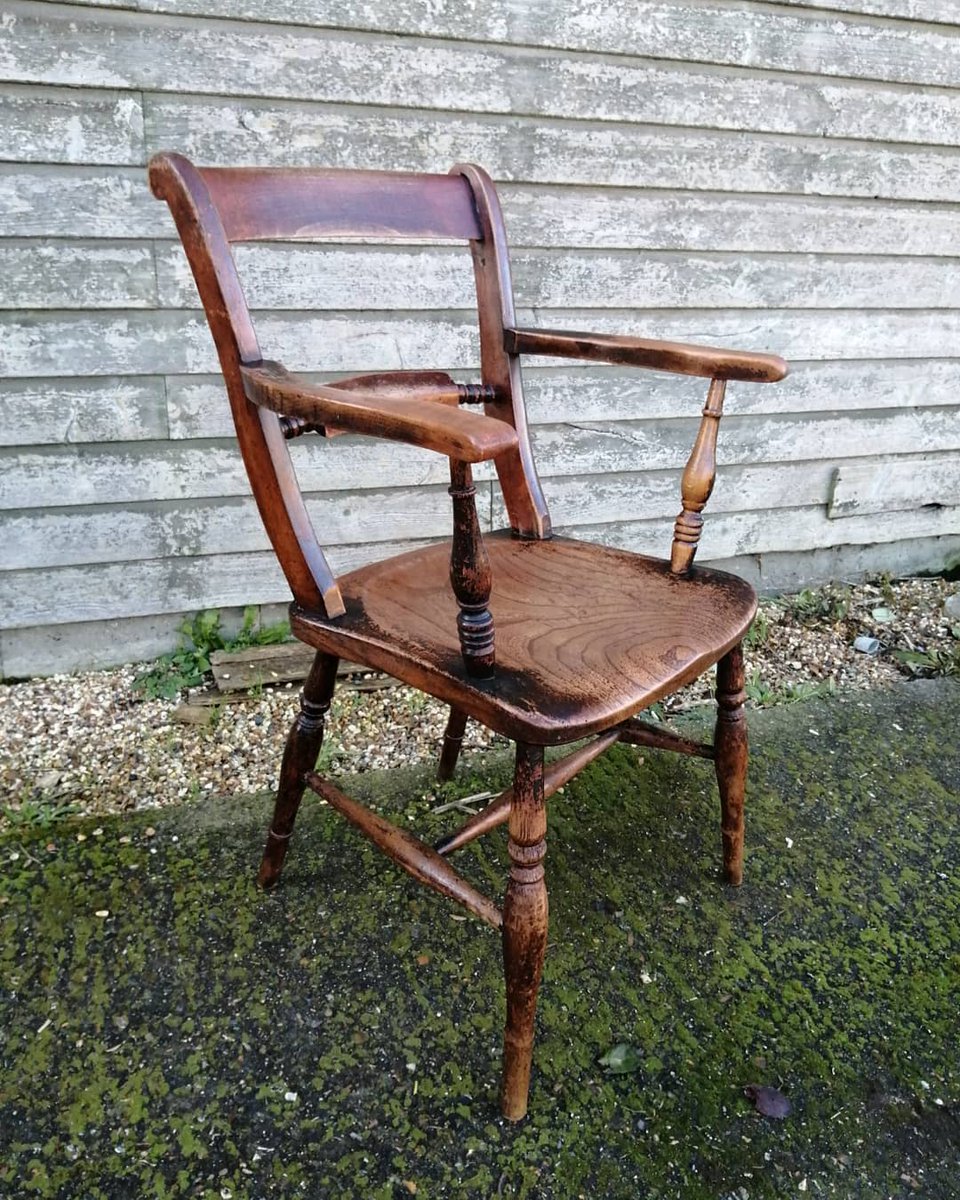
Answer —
(89, 743)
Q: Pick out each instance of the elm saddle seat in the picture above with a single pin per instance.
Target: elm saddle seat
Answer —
(546, 640)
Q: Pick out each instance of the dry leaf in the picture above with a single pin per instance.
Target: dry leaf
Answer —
(768, 1101)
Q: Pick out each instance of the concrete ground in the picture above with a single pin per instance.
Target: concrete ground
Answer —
(168, 1030)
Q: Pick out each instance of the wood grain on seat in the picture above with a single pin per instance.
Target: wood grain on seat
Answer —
(586, 635)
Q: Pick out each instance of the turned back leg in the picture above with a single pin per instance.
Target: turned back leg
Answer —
(300, 755)
(730, 743)
(524, 926)
(452, 743)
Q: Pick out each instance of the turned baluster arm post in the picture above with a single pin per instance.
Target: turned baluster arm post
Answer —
(698, 478)
(470, 576)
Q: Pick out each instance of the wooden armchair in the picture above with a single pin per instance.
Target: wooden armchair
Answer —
(543, 639)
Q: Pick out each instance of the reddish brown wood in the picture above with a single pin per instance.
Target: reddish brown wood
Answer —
(697, 483)
(516, 470)
(415, 857)
(266, 204)
(303, 747)
(555, 775)
(428, 417)
(470, 577)
(525, 913)
(265, 453)
(730, 742)
(410, 385)
(587, 635)
(452, 744)
(642, 733)
(677, 357)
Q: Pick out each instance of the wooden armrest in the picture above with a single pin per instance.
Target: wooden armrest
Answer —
(678, 357)
(420, 414)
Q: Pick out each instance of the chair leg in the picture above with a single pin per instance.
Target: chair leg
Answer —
(524, 926)
(452, 743)
(730, 747)
(300, 755)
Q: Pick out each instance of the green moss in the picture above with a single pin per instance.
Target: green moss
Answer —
(341, 1037)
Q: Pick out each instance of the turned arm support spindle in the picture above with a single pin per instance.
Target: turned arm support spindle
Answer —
(470, 576)
(698, 478)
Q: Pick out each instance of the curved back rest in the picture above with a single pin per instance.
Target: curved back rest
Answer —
(213, 207)
(263, 204)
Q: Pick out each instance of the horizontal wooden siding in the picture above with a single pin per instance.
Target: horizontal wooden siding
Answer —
(778, 177)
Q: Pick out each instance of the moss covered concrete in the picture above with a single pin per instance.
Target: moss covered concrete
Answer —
(341, 1037)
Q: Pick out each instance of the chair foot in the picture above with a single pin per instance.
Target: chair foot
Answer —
(730, 757)
(525, 913)
(299, 756)
(271, 864)
(452, 744)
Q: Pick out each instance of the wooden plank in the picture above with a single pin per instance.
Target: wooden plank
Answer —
(64, 201)
(52, 649)
(102, 592)
(54, 44)
(46, 649)
(285, 276)
(198, 408)
(587, 500)
(767, 38)
(602, 217)
(791, 571)
(795, 334)
(156, 586)
(37, 412)
(935, 11)
(652, 445)
(85, 646)
(84, 274)
(540, 150)
(84, 534)
(578, 394)
(43, 124)
(894, 485)
(294, 276)
(87, 535)
(131, 473)
(147, 343)
(176, 342)
(239, 670)
(89, 202)
(66, 536)
(728, 535)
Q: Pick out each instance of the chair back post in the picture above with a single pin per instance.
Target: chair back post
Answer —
(698, 479)
(263, 447)
(522, 493)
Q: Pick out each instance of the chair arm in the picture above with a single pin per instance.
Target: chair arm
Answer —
(677, 357)
(422, 415)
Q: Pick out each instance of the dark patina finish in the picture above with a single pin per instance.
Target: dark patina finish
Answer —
(545, 640)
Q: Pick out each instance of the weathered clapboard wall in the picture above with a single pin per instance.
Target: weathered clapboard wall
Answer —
(777, 176)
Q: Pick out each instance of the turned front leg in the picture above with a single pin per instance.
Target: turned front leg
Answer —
(524, 926)
(299, 756)
(730, 758)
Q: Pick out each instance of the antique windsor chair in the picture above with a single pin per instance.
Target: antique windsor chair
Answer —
(543, 639)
